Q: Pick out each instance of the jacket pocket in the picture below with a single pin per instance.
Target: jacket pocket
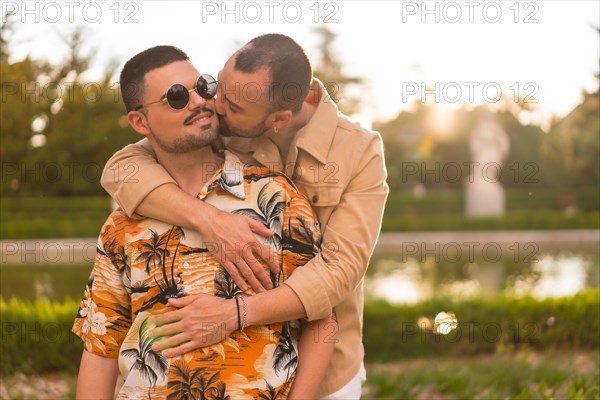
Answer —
(321, 195)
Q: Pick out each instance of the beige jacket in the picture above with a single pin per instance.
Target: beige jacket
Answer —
(340, 168)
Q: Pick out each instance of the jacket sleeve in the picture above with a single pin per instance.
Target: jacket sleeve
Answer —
(131, 173)
(348, 238)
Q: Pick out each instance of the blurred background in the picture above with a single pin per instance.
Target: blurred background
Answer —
(490, 117)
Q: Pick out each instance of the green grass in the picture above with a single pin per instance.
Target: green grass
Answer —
(52, 217)
(524, 375)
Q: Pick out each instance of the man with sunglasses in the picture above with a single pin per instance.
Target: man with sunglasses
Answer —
(142, 263)
(273, 112)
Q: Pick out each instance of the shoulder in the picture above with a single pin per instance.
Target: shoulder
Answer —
(350, 131)
(121, 229)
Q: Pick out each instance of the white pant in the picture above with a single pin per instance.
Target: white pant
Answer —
(352, 390)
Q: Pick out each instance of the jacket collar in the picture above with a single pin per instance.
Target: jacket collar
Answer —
(316, 136)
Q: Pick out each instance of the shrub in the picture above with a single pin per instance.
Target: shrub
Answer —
(36, 336)
(392, 332)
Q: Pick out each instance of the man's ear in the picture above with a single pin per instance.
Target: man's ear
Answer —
(281, 118)
(138, 122)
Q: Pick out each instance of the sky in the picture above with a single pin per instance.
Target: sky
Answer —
(447, 52)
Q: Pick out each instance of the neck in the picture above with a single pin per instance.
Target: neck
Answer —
(190, 170)
(286, 135)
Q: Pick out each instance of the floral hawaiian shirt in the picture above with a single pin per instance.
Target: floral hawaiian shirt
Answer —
(140, 264)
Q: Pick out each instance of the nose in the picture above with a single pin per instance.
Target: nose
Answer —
(196, 101)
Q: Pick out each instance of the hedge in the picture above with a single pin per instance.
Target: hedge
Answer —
(485, 325)
(440, 210)
(36, 337)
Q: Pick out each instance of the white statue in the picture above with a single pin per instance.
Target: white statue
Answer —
(489, 146)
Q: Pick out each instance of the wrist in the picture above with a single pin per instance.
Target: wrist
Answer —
(203, 217)
(231, 315)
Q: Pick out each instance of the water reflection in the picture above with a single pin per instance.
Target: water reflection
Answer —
(554, 276)
(550, 274)
(392, 277)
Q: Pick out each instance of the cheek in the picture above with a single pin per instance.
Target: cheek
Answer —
(165, 126)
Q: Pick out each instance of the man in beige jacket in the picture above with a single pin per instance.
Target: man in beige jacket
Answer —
(273, 112)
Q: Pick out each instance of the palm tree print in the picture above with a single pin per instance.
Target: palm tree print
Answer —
(271, 209)
(284, 356)
(301, 240)
(162, 261)
(148, 363)
(271, 393)
(186, 384)
(171, 287)
(225, 286)
(120, 259)
(219, 392)
(206, 387)
(151, 250)
(182, 381)
(306, 233)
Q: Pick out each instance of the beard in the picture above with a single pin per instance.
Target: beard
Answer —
(227, 131)
(188, 143)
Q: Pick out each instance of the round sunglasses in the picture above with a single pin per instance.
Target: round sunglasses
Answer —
(178, 96)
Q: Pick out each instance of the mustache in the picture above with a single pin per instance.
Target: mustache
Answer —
(196, 113)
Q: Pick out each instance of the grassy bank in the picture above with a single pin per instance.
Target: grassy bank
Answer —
(524, 375)
(36, 337)
(546, 375)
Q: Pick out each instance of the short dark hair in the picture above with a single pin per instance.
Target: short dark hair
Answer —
(291, 72)
(134, 71)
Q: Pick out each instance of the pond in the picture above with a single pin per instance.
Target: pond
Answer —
(392, 277)
(551, 273)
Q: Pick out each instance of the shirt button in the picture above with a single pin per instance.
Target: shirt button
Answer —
(315, 199)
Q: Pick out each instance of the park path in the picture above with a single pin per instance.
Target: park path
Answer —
(83, 250)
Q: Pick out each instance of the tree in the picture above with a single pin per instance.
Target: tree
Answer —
(57, 130)
(329, 70)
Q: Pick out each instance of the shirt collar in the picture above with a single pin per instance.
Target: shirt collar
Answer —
(230, 178)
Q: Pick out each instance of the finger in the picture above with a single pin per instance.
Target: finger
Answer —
(257, 268)
(248, 274)
(168, 317)
(267, 254)
(182, 301)
(167, 330)
(259, 228)
(170, 342)
(181, 349)
(235, 275)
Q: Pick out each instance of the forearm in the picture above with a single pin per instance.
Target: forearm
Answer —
(131, 174)
(97, 377)
(314, 353)
(276, 305)
(189, 212)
